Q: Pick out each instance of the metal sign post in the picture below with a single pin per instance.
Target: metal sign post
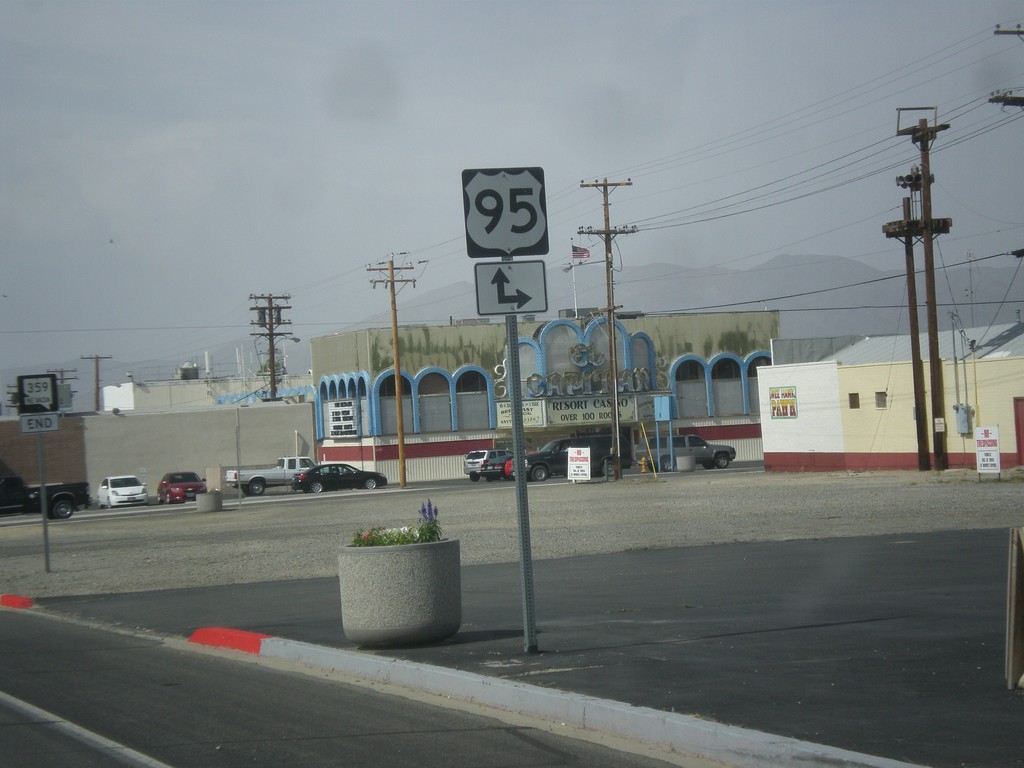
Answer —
(506, 216)
(37, 401)
(43, 501)
(522, 501)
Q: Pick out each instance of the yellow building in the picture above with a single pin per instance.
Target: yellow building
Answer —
(853, 408)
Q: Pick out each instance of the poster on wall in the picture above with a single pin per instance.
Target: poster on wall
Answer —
(986, 446)
(783, 402)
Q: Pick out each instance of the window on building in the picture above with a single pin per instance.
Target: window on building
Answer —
(727, 388)
(854, 401)
(881, 400)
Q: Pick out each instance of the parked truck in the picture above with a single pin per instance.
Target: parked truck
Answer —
(255, 481)
(708, 455)
(62, 499)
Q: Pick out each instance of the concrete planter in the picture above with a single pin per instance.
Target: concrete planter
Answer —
(402, 595)
(210, 501)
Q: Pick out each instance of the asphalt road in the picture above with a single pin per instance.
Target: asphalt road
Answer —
(848, 610)
(75, 695)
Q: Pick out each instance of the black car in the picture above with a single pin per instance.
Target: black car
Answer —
(332, 477)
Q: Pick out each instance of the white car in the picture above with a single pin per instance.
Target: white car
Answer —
(122, 491)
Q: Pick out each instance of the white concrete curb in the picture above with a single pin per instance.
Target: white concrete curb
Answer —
(732, 745)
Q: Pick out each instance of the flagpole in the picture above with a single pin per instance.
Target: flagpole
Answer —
(572, 268)
(575, 308)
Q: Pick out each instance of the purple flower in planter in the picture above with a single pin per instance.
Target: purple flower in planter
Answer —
(428, 512)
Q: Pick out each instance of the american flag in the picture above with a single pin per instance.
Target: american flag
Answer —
(580, 253)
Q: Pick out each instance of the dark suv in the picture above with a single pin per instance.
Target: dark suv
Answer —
(489, 464)
(553, 458)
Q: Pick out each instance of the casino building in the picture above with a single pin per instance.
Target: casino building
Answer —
(679, 372)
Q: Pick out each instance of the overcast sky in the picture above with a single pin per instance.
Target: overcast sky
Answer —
(161, 161)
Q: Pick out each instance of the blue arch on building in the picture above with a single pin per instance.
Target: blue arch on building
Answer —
(341, 386)
(375, 399)
(492, 409)
(673, 383)
(711, 373)
(748, 365)
(417, 380)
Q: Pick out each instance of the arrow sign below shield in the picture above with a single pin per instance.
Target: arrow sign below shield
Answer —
(519, 299)
(508, 288)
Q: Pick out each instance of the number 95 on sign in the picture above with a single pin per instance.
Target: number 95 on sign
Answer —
(506, 212)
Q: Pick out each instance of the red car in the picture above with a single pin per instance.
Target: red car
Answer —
(179, 486)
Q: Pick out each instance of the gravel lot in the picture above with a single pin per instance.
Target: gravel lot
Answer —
(297, 537)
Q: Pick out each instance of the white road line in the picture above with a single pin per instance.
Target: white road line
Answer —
(110, 748)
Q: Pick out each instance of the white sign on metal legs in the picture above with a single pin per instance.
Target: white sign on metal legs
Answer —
(986, 445)
(579, 464)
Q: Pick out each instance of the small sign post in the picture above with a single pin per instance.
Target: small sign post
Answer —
(507, 216)
(37, 405)
(579, 464)
(986, 446)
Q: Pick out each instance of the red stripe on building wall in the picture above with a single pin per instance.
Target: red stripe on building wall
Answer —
(864, 462)
(722, 432)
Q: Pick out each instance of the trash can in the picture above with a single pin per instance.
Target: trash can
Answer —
(211, 501)
(607, 469)
(685, 464)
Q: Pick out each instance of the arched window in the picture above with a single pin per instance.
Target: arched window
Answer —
(691, 390)
(388, 417)
(471, 401)
(727, 387)
(757, 362)
(435, 403)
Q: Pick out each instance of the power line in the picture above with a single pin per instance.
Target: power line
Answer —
(815, 292)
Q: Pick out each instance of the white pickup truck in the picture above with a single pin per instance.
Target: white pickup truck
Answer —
(255, 481)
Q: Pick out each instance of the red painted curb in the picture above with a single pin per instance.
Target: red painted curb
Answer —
(16, 601)
(223, 637)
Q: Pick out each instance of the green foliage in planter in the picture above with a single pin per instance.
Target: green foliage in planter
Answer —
(428, 529)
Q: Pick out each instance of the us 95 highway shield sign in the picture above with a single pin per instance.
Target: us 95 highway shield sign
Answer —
(506, 212)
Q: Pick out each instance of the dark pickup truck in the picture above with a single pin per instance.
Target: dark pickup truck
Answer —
(708, 455)
(61, 498)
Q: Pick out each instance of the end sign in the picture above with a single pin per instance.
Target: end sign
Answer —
(40, 422)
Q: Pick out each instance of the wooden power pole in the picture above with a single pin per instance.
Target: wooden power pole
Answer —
(927, 228)
(269, 321)
(96, 376)
(389, 269)
(608, 233)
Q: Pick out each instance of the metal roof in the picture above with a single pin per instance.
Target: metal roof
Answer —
(993, 341)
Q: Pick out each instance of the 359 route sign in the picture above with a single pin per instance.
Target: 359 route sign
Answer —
(506, 212)
(37, 393)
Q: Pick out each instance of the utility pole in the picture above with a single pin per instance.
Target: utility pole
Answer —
(906, 231)
(269, 320)
(1007, 98)
(390, 268)
(96, 376)
(63, 379)
(926, 227)
(607, 234)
